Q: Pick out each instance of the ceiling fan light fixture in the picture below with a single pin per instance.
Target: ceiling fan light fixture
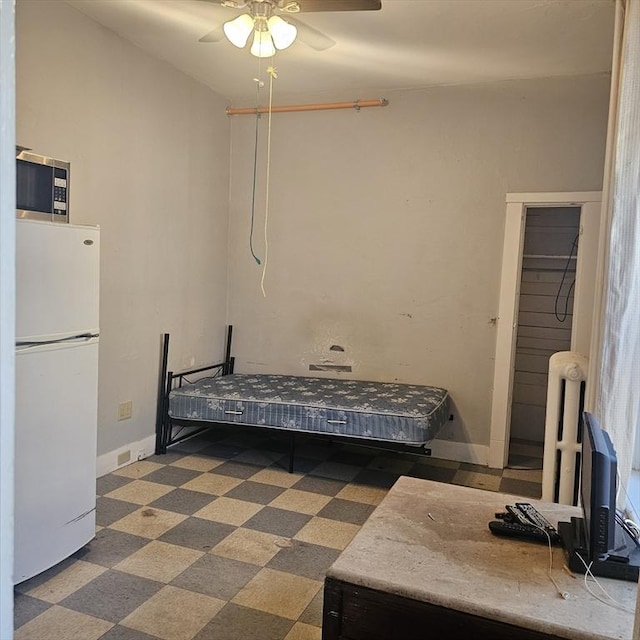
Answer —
(282, 32)
(238, 30)
(262, 46)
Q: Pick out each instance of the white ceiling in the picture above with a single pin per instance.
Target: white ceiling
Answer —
(409, 44)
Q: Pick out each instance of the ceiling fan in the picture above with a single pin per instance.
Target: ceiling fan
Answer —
(271, 32)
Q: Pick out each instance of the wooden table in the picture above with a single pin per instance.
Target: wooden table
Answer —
(425, 565)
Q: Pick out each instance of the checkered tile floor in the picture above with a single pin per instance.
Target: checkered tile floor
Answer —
(216, 541)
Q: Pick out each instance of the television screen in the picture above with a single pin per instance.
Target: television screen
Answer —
(598, 487)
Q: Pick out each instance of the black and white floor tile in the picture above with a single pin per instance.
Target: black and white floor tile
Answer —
(216, 541)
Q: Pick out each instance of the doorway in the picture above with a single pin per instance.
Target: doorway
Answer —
(546, 305)
(544, 322)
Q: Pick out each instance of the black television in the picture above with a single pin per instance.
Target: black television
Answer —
(598, 479)
(598, 542)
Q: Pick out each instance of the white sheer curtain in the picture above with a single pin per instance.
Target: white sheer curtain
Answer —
(614, 375)
(616, 380)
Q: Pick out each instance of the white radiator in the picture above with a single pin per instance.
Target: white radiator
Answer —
(565, 397)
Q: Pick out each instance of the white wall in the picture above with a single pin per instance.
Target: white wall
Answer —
(149, 153)
(386, 225)
(386, 230)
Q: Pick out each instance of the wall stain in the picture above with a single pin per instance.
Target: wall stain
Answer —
(330, 367)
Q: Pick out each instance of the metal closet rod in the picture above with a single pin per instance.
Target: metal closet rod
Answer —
(356, 104)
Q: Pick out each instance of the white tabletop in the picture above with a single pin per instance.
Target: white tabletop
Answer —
(429, 541)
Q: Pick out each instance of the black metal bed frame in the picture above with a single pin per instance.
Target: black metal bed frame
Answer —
(169, 380)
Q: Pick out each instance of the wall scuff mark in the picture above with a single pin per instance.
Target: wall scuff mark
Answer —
(345, 368)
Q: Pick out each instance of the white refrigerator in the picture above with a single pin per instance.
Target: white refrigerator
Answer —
(57, 333)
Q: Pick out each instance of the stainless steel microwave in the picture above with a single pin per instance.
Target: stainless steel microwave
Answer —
(42, 187)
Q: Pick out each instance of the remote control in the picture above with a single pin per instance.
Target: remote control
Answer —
(514, 514)
(517, 530)
(535, 516)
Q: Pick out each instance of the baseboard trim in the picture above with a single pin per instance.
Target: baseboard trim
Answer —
(108, 462)
(443, 449)
(460, 451)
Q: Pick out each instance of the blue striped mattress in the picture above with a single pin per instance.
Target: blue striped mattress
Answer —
(385, 411)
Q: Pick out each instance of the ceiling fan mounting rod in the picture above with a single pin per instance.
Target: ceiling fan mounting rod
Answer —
(355, 104)
(261, 9)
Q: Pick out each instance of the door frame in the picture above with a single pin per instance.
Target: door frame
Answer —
(7, 303)
(583, 300)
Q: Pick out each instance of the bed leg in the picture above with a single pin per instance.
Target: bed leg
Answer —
(167, 430)
(160, 407)
(292, 447)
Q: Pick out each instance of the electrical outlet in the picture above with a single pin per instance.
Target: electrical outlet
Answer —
(124, 457)
(125, 410)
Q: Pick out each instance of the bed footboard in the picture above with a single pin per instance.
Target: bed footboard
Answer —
(169, 380)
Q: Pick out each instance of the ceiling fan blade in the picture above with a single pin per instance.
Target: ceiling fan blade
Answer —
(309, 6)
(310, 36)
(213, 36)
(229, 4)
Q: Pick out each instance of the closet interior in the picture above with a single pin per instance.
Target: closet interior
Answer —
(545, 308)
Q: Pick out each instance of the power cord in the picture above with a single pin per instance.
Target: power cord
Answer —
(631, 527)
(630, 504)
(563, 594)
(259, 84)
(565, 313)
(611, 602)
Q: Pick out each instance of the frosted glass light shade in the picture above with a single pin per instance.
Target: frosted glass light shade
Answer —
(238, 30)
(262, 46)
(282, 32)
